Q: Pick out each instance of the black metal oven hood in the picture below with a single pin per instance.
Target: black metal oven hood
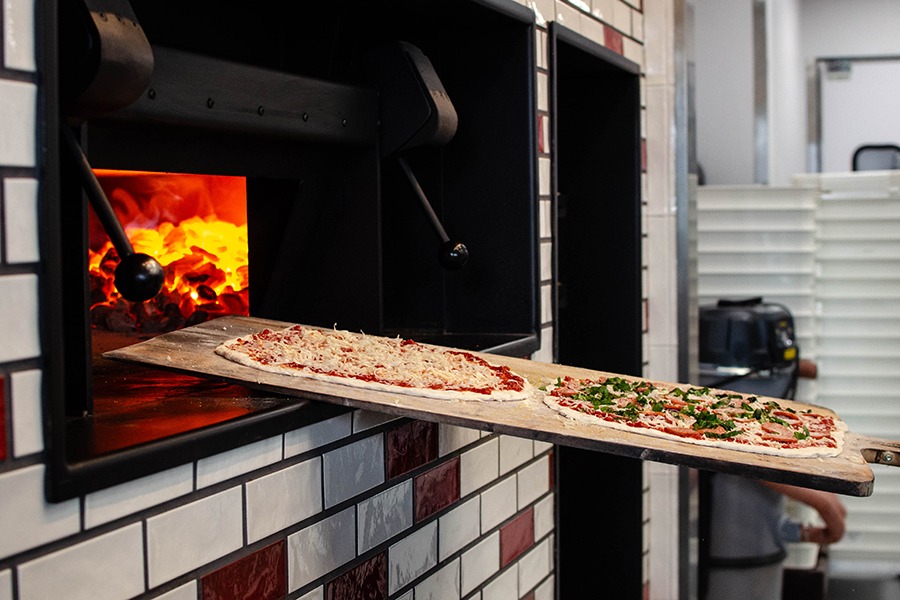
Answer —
(211, 94)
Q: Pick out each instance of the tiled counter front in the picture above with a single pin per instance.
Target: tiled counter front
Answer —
(353, 507)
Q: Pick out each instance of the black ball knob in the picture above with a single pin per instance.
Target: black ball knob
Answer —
(139, 277)
(453, 255)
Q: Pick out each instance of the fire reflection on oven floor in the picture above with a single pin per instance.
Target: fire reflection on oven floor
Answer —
(135, 404)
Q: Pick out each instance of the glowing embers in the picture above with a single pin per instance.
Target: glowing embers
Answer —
(195, 226)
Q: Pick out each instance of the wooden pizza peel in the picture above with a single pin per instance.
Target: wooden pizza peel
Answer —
(191, 351)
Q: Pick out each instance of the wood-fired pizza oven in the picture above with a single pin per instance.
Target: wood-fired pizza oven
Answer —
(298, 124)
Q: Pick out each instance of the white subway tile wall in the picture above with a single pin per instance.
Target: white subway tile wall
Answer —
(6, 587)
(535, 565)
(546, 262)
(480, 562)
(458, 528)
(19, 314)
(187, 591)
(545, 354)
(316, 594)
(353, 469)
(25, 390)
(443, 585)
(280, 499)
(19, 35)
(546, 590)
(107, 567)
(128, 498)
(514, 452)
(498, 503)
(451, 438)
(569, 16)
(593, 29)
(412, 556)
(545, 214)
(546, 303)
(502, 587)
(367, 419)
(544, 176)
(317, 435)
(661, 296)
(479, 466)
(188, 537)
(321, 547)
(18, 119)
(543, 516)
(171, 530)
(224, 466)
(27, 519)
(546, 217)
(384, 515)
(541, 447)
(533, 481)
(621, 17)
(20, 214)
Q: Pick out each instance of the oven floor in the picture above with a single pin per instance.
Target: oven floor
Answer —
(134, 405)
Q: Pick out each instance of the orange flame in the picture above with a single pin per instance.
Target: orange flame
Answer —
(174, 218)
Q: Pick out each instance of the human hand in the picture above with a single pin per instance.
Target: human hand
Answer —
(833, 513)
(828, 505)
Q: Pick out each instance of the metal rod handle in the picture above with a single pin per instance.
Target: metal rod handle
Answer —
(138, 276)
(98, 199)
(426, 205)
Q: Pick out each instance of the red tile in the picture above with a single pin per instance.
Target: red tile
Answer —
(612, 39)
(368, 580)
(528, 596)
(410, 446)
(516, 537)
(2, 418)
(259, 576)
(540, 123)
(436, 489)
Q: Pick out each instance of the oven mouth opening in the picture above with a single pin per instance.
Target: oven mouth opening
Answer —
(195, 226)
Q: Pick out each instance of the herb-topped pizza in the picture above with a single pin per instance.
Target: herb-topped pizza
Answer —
(698, 415)
(376, 363)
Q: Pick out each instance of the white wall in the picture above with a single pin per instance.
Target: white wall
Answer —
(723, 48)
(859, 107)
(798, 32)
(841, 28)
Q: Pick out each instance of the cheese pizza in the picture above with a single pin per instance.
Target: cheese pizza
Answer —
(377, 363)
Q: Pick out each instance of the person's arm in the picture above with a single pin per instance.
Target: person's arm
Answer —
(807, 369)
(828, 505)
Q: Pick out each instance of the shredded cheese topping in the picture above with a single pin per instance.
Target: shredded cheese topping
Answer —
(374, 360)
